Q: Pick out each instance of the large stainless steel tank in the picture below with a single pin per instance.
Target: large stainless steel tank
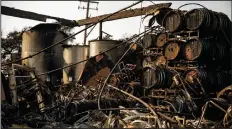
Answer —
(96, 46)
(35, 40)
(73, 54)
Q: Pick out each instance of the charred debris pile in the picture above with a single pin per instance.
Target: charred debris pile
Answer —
(176, 75)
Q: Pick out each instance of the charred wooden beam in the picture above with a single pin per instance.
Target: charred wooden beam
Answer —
(33, 16)
(125, 14)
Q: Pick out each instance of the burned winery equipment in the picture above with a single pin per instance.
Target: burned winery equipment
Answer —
(74, 54)
(35, 40)
(188, 42)
(179, 79)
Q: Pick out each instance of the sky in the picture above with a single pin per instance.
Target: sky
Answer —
(117, 28)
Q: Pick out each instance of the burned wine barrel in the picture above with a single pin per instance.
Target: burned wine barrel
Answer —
(223, 79)
(199, 77)
(212, 81)
(193, 74)
(199, 49)
(148, 40)
(224, 25)
(161, 14)
(223, 55)
(197, 18)
(207, 21)
(158, 77)
(220, 49)
(172, 50)
(161, 39)
(159, 60)
(224, 22)
(173, 21)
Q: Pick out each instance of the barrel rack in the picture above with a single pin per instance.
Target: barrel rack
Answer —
(152, 51)
(183, 35)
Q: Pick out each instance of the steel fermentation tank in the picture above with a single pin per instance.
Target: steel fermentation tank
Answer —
(73, 54)
(97, 46)
(35, 40)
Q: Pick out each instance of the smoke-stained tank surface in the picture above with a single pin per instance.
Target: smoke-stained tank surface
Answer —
(38, 38)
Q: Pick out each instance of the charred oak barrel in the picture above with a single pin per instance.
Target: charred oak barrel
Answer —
(223, 55)
(161, 14)
(161, 39)
(223, 79)
(211, 80)
(173, 21)
(158, 77)
(159, 60)
(172, 50)
(198, 19)
(200, 76)
(148, 40)
(220, 48)
(199, 49)
(224, 24)
(207, 21)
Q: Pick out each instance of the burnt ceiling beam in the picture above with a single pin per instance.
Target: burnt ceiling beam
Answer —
(124, 14)
(33, 16)
(72, 23)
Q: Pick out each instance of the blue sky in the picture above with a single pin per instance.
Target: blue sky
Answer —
(69, 10)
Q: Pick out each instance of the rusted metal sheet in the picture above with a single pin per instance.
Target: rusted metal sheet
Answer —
(101, 75)
(125, 14)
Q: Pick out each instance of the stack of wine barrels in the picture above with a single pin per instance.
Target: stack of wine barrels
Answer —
(211, 50)
(206, 21)
(154, 41)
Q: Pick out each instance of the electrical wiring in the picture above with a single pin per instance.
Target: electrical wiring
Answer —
(59, 42)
